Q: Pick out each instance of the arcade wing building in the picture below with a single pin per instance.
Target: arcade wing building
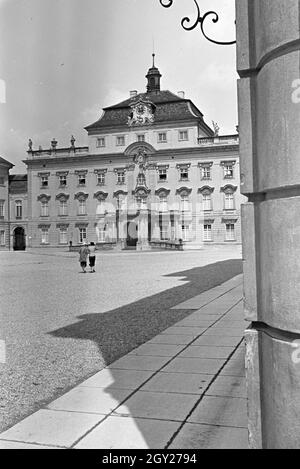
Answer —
(154, 174)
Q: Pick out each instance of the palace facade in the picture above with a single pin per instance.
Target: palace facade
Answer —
(154, 174)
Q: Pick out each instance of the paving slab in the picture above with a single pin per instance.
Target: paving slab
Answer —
(195, 436)
(48, 427)
(19, 445)
(234, 368)
(117, 379)
(204, 351)
(129, 433)
(157, 405)
(218, 340)
(230, 332)
(194, 365)
(193, 331)
(157, 350)
(135, 362)
(178, 339)
(191, 383)
(90, 400)
(231, 386)
(224, 411)
(197, 322)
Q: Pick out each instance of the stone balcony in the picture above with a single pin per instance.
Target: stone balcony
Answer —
(219, 140)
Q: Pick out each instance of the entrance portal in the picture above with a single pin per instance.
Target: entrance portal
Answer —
(132, 234)
(19, 239)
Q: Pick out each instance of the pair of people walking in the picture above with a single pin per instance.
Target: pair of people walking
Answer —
(87, 252)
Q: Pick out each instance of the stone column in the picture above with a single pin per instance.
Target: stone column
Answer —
(269, 122)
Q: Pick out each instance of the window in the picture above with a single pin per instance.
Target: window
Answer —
(82, 207)
(164, 231)
(183, 135)
(141, 138)
(120, 141)
(63, 208)
(63, 181)
(207, 236)
(101, 207)
(229, 201)
(100, 142)
(184, 174)
(185, 232)
(44, 208)
(1, 181)
(141, 203)
(121, 177)
(185, 203)
(2, 238)
(1, 208)
(162, 137)
(206, 171)
(45, 236)
(18, 209)
(101, 179)
(141, 180)
(82, 235)
(81, 179)
(228, 170)
(63, 239)
(207, 202)
(163, 203)
(44, 181)
(162, 174)
(230, 232)
(101, 234)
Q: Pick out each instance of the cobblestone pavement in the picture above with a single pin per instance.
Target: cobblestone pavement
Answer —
(60, 326)
(183, 389)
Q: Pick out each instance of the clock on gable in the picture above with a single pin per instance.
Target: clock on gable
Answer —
(142, 113)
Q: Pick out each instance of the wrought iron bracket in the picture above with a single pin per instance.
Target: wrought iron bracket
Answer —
(200, 20)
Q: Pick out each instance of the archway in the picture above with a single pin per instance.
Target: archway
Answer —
(132, 234)
(19, 239)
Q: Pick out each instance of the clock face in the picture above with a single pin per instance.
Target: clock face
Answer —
(141, 114)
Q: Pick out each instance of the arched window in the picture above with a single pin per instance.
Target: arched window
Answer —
(206, 194)
(19, 208)
(229, 197)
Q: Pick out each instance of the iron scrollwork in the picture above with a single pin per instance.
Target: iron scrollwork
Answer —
(200, 19)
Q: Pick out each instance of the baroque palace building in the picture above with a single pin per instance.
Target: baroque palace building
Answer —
(154, 174)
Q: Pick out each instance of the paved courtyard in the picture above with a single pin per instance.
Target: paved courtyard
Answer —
(60, 326)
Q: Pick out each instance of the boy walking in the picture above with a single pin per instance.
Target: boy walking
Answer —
(92, 256)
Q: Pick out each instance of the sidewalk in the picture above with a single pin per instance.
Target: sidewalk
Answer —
(184, 389)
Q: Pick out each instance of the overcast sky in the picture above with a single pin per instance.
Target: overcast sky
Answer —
(62, 61)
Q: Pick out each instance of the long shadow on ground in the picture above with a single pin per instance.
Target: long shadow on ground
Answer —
(119, 331)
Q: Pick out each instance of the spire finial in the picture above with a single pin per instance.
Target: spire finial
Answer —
(153, 55)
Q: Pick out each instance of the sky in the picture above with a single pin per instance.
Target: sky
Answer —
(62, 61)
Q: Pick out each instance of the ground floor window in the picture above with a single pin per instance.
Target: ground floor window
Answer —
(45, 235)
(207, 232)
(186, 232)
(101, 234)
(82, 235)
(2, 238)
(164, 232)
(63, 236)
(230, 232)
